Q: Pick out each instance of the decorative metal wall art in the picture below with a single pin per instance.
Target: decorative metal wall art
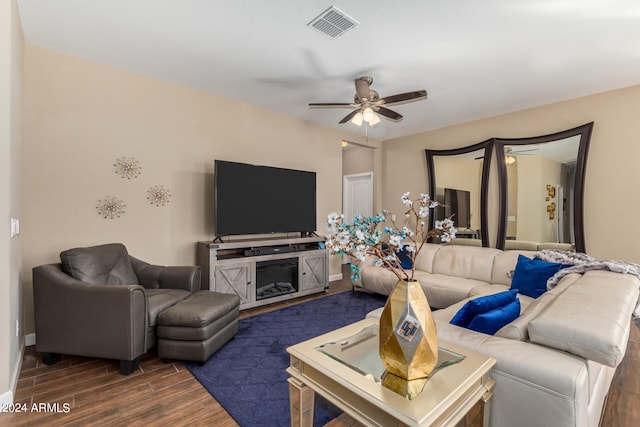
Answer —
(111, 207)
(127, 167)
(158, 195)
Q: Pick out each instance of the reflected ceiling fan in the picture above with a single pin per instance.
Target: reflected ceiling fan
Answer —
(509, 154)
(367, 104)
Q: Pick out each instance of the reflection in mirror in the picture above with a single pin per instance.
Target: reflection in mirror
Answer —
(541, 190)
(458, 178)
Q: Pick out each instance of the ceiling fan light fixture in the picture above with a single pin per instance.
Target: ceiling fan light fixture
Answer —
(375, 120)
(368, 114)
(357, 119)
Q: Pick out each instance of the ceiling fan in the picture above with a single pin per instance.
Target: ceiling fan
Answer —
(367, 104)
(510, 155)
(509, 150)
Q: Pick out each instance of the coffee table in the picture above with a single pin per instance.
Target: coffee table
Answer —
(344, 367)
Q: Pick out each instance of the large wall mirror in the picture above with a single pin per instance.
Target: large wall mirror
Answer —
(458, 178)
(542, 188)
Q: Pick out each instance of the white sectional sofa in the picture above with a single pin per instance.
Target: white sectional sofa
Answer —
(556, 361)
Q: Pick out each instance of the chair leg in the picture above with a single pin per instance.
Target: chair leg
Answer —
(50, 358)
(128, 366)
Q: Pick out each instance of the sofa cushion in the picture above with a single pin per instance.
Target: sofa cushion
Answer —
(520, 245)
(491, 321)
(379, 279)
(591, 318)
(519, 328)
(160, 299)
(424, 259)
(101, 265)
(481, 305)
(487, 289)
(443, 290)
(465, 261)
(531, 275)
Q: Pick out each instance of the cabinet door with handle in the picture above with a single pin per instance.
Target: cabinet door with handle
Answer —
(235, 279)
(314, 271)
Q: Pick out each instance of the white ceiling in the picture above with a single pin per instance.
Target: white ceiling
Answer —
(475, 58)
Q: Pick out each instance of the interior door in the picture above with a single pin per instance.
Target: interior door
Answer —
(357, 195)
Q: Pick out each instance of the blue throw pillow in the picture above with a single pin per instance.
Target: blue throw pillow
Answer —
(491, 321)
(531, 275)
(481, 305)
(405, 258)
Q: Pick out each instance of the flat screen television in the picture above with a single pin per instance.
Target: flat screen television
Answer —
(252, 199)
(458, 202)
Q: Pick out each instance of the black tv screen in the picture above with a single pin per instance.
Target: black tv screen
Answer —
(251, 199)
(458, 202)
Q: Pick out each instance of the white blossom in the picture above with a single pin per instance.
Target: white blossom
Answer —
(406, 230)
(406, 200)
(395, 241)
(360, 252)
(423, 212)
(343, 238)
(333, 221)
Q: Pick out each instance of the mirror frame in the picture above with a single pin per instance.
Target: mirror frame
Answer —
(578, 195)
(484, 184)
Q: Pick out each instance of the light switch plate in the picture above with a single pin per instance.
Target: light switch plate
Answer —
(15, 227)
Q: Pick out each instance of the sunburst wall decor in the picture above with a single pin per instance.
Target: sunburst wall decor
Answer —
(111, 207)
(127, 167)
(158, 195)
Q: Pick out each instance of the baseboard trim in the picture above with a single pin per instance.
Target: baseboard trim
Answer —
(335, 277)
(30, 339)
(6, 398)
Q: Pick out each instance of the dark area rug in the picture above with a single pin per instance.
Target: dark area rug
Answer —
(247, 376)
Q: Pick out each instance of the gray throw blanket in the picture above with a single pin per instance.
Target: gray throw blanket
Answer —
(581, 263)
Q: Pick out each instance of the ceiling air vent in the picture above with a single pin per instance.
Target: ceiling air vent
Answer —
(333, 22)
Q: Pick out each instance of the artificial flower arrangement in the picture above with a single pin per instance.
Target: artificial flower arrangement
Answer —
(364, 237)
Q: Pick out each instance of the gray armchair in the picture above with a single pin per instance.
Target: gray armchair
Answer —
(101, 302)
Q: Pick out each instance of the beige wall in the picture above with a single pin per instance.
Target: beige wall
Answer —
(611, 199)
(533, 223)
(11, 51)
(80, 116)
(357, 159)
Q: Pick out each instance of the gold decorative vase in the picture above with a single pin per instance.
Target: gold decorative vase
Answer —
(408, 336)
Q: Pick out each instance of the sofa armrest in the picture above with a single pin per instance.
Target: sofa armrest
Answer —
(172, 277)
(74, 317)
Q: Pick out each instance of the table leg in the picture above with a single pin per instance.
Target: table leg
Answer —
(489, 384)
(301, 403)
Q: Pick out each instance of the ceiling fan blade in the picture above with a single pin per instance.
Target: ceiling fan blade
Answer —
(390, 114)
(333, 105)
(362, 87)
(403, 98)
(348, 117)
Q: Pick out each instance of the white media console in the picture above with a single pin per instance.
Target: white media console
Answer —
(264, 271)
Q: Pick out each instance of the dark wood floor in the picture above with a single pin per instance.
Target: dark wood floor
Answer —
(167, 394)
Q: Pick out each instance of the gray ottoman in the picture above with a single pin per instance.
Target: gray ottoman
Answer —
(196, 327)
